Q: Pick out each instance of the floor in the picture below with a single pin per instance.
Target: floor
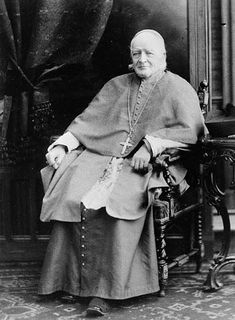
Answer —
(185, 299)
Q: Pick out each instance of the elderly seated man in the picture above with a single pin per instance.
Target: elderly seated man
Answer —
(102, 244)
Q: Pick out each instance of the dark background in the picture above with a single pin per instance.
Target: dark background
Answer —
(111, 57)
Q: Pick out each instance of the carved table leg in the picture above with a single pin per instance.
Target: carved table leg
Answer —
(215, 197)
(221, 259)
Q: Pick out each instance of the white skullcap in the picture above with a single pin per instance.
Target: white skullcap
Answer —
(160, 39)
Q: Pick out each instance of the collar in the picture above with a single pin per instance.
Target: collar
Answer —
(153, 79)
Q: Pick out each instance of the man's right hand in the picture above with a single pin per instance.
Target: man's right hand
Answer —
(55, 156)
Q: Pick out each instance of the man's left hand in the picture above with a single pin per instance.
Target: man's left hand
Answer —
(141, 158)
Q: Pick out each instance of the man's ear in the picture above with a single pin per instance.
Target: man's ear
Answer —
(130, 66)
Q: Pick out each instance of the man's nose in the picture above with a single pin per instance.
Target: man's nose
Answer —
(143, 57)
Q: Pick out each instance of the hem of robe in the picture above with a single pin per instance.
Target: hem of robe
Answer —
(140, 291)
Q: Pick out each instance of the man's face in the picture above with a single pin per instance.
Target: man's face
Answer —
(146, 57)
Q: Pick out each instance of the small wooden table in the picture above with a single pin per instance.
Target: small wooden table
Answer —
(214, 150)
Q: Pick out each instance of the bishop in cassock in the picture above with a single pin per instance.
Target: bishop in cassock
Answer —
(102, 244)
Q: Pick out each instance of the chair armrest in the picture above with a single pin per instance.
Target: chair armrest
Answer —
(171, 194)
(164, 160)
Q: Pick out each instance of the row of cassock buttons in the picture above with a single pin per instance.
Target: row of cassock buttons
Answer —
(83, 236)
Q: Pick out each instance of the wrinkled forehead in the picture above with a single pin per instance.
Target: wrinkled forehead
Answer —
(149, 39)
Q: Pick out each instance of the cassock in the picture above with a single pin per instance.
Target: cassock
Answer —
(110, 252)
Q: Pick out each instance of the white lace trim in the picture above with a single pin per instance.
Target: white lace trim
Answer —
(98, 195)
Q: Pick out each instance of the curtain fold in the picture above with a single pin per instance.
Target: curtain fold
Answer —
(38, 39)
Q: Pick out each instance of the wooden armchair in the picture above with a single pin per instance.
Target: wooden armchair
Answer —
(180, 213)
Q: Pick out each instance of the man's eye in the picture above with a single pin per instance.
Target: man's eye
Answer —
(135, 54)
(149, 53)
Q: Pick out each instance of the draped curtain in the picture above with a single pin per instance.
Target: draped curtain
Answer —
(38, 40)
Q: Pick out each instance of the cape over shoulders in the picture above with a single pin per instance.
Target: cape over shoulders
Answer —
(170, 80)
(123, 79)
(176, 84)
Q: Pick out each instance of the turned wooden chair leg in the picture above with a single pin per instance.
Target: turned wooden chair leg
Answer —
(161, 217)
(162, 259)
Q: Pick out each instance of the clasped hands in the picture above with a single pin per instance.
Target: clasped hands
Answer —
(139, 162)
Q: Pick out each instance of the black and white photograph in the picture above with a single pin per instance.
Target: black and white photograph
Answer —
(117, 159)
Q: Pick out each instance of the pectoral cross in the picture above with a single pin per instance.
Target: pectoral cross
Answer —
(126, 144)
